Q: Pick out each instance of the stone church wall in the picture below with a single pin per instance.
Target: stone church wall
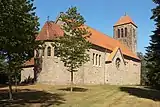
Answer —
(127, 74)
(134, 72)
(94, 74)
(27, 73)
(53, 70)
(116, 75)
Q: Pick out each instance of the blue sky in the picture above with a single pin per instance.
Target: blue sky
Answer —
(103, 14)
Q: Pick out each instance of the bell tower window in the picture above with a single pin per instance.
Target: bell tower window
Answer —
(122, 32)
(118, 33)
(125, 32)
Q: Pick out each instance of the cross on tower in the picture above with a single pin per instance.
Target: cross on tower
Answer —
(47, 18)
(125, 14)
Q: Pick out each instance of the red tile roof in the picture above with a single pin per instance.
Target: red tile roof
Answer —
(49, 31)
(111, 56)
(29, 62)
(124, 20)
(107, 42)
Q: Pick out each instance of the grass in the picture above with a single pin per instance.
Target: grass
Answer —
(83, 96)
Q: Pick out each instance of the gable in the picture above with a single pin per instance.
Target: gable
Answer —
(116, 54)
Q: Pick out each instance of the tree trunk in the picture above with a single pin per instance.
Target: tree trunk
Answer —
(10, 87)
(15, 83)
(71, 88)
(10, 78)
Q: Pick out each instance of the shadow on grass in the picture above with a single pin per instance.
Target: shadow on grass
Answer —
(75, 89)
(27, 97)
(3, 85)
(142, 92)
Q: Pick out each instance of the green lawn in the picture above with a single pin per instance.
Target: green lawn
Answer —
(83, 96)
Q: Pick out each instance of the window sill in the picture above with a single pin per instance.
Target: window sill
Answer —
(96, 66)
(48, 56)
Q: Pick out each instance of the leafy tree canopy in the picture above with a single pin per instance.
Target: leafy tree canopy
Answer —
(73, 46)
(18, 29)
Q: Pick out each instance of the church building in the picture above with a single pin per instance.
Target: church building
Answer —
(112, 60)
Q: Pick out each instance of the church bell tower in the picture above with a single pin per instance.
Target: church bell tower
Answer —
(125, 30)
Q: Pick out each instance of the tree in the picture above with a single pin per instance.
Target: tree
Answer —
(153, 50)
(3, 64)
(18, 29)
(144, 79)
(73, 46)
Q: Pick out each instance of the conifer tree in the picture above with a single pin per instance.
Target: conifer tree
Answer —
(153, 50)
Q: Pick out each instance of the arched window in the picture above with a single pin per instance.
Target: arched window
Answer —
(117, 62)
(125, 32)
(96, 59)
(122, 32)
(55, 51)
(118, 33)
(43, 52)
(93, 58)
(49, 51)
(99, 60)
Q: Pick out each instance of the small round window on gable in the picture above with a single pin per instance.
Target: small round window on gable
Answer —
(118, 62)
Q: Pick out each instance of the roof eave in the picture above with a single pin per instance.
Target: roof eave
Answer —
(124, 24)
